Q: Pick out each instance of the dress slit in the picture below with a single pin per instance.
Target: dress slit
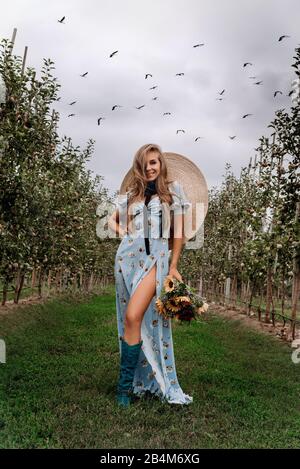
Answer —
(148, 355)
(145, 275)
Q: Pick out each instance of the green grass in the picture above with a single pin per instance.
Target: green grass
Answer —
(57, 388)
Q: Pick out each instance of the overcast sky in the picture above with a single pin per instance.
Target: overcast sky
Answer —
(157, 37)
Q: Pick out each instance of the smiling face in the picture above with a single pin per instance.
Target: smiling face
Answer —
(152, 165)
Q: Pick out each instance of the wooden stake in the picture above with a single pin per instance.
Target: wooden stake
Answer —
(13, 40)
(24, 60)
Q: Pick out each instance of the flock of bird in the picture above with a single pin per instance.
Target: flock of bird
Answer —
(246, 64)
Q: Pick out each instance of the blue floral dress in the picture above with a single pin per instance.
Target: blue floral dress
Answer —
(155, 371)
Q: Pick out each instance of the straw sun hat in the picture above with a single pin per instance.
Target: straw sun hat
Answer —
(192, 180)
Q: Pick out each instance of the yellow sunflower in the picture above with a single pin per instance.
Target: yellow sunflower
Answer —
(168, 283)
(161, 308)
(172, 306)
(160, 305)
(183, 299)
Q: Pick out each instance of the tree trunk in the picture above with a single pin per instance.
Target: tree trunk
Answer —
(200, 286)
(283, 291)
(41, 278)
(33, 275)
(234, 289)
(269, 294)
(49, 279)
(4, 291)
(19, 285)
(57, 280)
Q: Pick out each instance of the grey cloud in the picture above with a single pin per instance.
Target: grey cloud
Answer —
(158, 38)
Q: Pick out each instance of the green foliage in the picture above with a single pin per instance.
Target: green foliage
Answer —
(48, 198)
(251, 224)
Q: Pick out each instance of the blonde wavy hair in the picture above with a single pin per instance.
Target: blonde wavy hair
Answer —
(138, 183)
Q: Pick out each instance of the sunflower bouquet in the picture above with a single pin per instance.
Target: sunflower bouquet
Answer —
(180, 301)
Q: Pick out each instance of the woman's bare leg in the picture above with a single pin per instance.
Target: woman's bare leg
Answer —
(137, 307)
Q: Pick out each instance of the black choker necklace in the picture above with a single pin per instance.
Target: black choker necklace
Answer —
(150, 188)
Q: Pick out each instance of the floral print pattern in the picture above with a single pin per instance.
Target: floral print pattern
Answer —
(155, 371)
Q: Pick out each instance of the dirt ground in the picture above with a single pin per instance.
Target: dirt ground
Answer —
(280, 331)
(11, 306)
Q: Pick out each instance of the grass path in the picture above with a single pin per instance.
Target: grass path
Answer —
(57, 387)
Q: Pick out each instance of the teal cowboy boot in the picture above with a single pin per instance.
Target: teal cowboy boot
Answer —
(129, 358)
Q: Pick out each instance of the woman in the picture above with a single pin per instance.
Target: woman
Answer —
(141, 265)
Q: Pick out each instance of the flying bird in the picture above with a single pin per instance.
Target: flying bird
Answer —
(282, 37)
(148, 75)
(179, 74)
(277, 92)
(245, 115)
(197, 45)
(232, 137)
(219, 99)
(153, 87)
(166, 113)
(73, 102)
(62, 20)
(257, 82)
(84, 74)
(70, 115)
(180, 130)
(197, 138)
(140, 107)
(222, 91)
(247, 63)
(155, 97)
(114, 107)
(100, 118)
(113, 53)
